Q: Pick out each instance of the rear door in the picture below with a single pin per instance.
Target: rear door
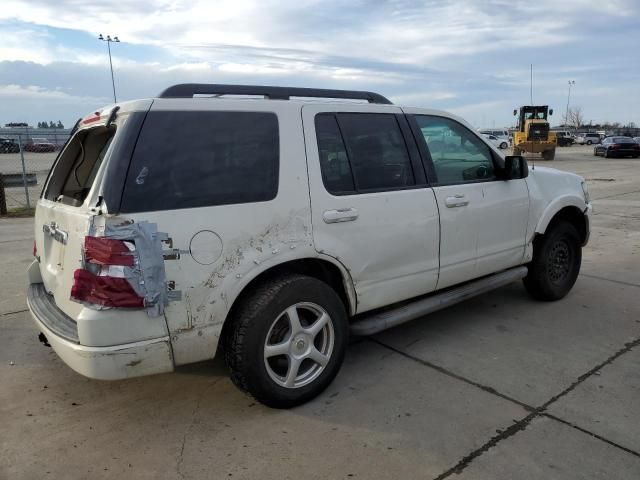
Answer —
(371, 206)
(64, 213)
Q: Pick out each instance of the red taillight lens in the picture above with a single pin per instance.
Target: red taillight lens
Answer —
(107, 291)
(615, 146)
(35, 249)
(106, 251)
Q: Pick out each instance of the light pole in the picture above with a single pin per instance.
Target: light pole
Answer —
(566, 115)
(109, 40)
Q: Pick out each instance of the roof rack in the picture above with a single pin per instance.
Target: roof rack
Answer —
(188, 90)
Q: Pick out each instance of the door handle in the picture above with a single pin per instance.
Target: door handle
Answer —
(340, 215)
(458, 200)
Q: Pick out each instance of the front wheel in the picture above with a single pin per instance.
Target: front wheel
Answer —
(287, 341)
(557, 256)
(504, 145)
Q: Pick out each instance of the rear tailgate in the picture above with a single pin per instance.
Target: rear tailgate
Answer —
(72, 203)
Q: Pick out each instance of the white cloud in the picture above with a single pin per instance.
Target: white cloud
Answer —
(465, 55)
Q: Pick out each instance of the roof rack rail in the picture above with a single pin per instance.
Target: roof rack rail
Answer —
(188, 90)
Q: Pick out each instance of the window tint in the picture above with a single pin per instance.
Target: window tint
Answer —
(377, 151)
(195, 159)
(334, 162)
(362, 151)
(458, 155)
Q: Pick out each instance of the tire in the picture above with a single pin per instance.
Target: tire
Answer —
(549, 154)
(504, 145)
(589, 142)
(557, 256)
(595, 152)
(606, 154)
(516, 151)
(263, 320)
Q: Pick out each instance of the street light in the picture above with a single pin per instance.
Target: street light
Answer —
(566, 115)
(109, 40)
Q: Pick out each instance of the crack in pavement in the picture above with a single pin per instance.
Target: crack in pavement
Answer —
(187, 432)
(13, 313)
(534, 411)
(621, 282)
(589, 432)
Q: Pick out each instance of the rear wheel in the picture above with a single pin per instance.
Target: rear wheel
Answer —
(549, 154)
(287, 341)
(606, 154)
(589, 142)
(504, 145)
(557, 256)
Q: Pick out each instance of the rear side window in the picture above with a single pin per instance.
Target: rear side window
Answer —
(362, 152)
(197, 159)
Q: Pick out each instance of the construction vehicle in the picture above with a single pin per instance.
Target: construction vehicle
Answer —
(533, 134)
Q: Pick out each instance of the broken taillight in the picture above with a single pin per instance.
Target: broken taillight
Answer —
(104, 290)
(102, 284)
(107, 251)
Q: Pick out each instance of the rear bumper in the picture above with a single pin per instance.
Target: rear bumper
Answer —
(103, 363)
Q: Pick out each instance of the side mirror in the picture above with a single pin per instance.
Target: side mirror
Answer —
(515, 167)
(551, 111)
(515, 112)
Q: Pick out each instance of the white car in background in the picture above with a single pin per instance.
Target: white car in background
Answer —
(497, 141)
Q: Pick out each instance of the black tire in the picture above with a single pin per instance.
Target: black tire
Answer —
(595, 152)
(256, 318)
(606, 153)
(589, 142)
(549, 154)
(557, 256)
(504, 145)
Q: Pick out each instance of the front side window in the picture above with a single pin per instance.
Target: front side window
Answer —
(362, 152)
(458, 155)
(199, 158)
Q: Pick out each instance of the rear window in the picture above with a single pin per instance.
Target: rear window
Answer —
(198, 159)
(74, 172)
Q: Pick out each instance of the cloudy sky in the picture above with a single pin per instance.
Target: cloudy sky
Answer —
(470, 57)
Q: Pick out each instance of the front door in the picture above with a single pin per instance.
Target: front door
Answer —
(371, 207)
(483, 219)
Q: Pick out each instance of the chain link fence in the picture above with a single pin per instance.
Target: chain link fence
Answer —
(26, 156)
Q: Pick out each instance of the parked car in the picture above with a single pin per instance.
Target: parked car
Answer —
(9, 146)
(39, 145)
(503, 135)
(564, 138)
(587, 138)
(498, 142)
(618, 147)
(274, 229)
(636, 139)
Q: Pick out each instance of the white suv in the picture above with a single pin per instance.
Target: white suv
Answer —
(271, 228)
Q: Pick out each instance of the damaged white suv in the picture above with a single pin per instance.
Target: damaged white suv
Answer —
(272, 227)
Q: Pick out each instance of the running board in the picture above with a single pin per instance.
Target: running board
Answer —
(377, 322)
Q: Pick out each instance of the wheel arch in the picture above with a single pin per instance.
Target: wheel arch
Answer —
(326, 269)
(568, 212)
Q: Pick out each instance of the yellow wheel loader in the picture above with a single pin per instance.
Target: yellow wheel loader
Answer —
(533, 134)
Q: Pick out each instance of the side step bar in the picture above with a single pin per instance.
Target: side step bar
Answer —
(377, 322)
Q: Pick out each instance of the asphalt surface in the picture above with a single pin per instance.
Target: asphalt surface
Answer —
(498, 387)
